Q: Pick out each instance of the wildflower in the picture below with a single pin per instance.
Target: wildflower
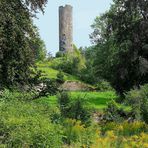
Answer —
(145, 145)
(124, 139)
(120, 128)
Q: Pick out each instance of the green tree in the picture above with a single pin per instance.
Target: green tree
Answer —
(71, 62)
(38, 46)
(87, 74)
(121, 35)
(16, 33)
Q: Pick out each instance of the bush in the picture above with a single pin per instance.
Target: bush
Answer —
(59, 54)
(79, 112)
(103, 86)
(114, 113)
(48, 87)
(60, 77)
(71, 63)
(125, 128)
(111, 140)
(138, 99)
(35, 124)
(64, 102)
(73, 131)
(73, 108)
(77, 135)
(9, 95)
(26, 124)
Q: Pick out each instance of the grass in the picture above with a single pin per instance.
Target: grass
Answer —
(49, 72)
(94, 100)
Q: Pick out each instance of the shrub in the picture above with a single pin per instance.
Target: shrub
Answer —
(9, 95)
(60, 77)
(77, 135)
(71, 63)
(87, 75)
(138, 99)
(64, 102)
(79, 112)
(125, 128)
(26, 124)
(63, 63)
(114, 113)
(103, 86)
(111, 140)
(59, 54)
(73, 108)
(48, 87)
(73, 130)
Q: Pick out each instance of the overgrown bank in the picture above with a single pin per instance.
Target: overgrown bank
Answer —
(33, 124)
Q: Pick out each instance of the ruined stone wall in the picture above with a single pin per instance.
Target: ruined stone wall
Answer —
(65, 29)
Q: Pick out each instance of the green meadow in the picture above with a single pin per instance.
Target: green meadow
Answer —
(96, 101)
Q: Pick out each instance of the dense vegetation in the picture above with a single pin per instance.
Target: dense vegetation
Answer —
(18, 37)
(109, 110)
(121, 35)
(38, 123)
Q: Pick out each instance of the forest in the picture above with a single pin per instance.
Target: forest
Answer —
(94, 97)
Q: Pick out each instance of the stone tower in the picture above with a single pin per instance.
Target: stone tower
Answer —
(65, 29)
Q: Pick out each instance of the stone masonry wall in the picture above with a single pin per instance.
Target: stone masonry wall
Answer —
(65, 29)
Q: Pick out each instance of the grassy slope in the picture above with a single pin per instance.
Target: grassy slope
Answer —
(49, 72)
(94, 100)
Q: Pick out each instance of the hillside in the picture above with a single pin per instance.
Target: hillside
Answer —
(72, 83)
(49, 72)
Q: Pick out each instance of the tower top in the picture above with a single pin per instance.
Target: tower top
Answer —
(66, 6)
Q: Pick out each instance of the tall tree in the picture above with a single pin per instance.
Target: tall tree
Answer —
(16, 33)
(38, 46)
(121, 35)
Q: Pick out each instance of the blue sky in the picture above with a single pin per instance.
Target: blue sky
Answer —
(84, 13)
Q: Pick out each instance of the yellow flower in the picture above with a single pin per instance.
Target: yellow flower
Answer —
(135, 137)
(110, 133)
(133, 143)
(120, 128)
(124, 139)
(145, 145)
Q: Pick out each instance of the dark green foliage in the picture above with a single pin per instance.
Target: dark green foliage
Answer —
(121, 35)
(73, 108)
(79, 112)
(103, 86)
(35, 4)
(49, 87)
(64, 102)
(16, 56)
(60, 77)
(38, 46)
(59, 54)
(87, 74)
(113, 113)
(138, 99)
(16, 34)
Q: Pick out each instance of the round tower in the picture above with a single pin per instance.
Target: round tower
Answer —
(65, 29)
